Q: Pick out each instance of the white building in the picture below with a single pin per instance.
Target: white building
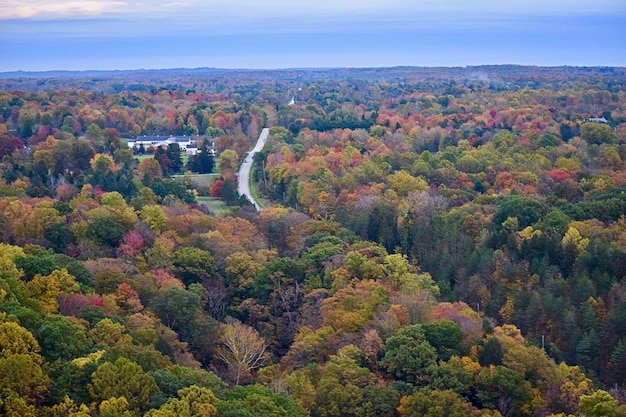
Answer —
(156, 141)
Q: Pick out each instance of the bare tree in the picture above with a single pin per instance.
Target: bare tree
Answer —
(426, 205)
(243, 350)
(217, 296)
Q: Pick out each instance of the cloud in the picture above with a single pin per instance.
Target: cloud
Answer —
(29, 9)
(227, 10)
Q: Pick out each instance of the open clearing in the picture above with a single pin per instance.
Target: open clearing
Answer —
(215, 205)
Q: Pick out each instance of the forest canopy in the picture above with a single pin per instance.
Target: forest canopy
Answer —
(432, 242)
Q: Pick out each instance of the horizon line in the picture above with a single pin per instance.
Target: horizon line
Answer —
(84, 71)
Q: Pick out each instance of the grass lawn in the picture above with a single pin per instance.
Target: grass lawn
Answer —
(197, 180)
(255, 195)
(144, 156)
(183, 156)
(216, 205)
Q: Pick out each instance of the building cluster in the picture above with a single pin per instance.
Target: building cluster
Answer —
(187, 144)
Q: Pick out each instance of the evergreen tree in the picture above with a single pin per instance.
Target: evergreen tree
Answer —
(161, 156)
(203, 161)
(229, 194)
(173, 153)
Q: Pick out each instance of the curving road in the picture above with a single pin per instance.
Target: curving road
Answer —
(243, 187)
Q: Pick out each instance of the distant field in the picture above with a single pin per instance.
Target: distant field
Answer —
(198, 180)
(216, 205)
(183, 156)
(144, 156)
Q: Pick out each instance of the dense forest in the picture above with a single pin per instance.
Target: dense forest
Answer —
(434, 242)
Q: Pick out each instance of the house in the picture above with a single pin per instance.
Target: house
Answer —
(191, 149)
(596, 120)
(183, 141)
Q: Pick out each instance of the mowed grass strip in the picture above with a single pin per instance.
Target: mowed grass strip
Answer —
(215, 205)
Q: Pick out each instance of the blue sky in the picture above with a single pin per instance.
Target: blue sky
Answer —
(38, 35)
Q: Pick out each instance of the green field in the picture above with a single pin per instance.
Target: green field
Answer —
(144, 156)
(183, 156)
(197, 180)
(216, 205)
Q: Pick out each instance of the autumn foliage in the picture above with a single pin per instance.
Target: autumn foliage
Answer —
(433, 244)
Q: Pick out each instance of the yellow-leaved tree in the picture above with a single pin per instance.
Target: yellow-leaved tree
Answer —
(22, 380)
(242, 349)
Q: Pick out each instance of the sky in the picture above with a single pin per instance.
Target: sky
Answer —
(42, 35)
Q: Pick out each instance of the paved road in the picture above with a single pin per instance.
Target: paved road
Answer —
(244, 171)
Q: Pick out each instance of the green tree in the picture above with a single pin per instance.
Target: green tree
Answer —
(109, 333)
(194, 401)
(452, 375)
(229, 194)
(597, 133)
(164, 188)
(75, 268)
(112, 142)
(174, 378)
(336, 399)
(491, 353)
(59, 235)
(154, 216)
(203, 162)
(67, 408)
(173, 154)
(106, 231)
(115, 407)
(525, 210)
(109, 278)
(256, 401)
(32, 265)
(177, 307)
(343, 388)
(241, 271)
(566, 131)
(380, 401)
(600, 404)
(229, 162)
(22, 380)
(406, 277)
(62, 339)
(16, 340)
(67, 378)
(123, 378)
(408, 355)
(82, 152)
(159, 256)
(505, 390)
(69, 124)
(446, 337)
(433, 403)
(118, 209)
(402, 183)
(193, 265)
(25, 124)
(94, 133)
(16, 405)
